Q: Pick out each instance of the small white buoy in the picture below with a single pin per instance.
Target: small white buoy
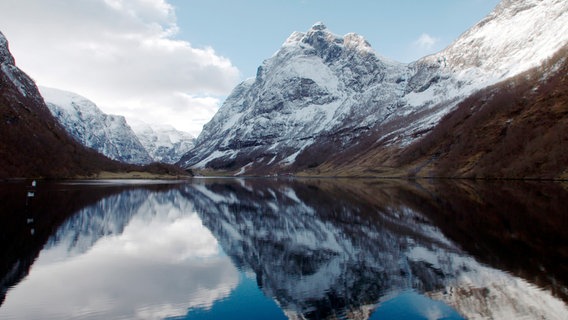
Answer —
(34, 183)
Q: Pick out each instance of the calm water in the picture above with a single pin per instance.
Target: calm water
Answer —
(284, 249)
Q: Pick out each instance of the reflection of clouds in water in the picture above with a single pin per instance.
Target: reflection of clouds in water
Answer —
(160, 265)
(163, 238)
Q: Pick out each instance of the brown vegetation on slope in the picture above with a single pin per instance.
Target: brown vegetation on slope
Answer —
(515, 129)
(34, 145)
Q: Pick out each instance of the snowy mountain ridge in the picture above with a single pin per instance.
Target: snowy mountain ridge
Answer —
(320, 92)
(5, 55)
(514, 37)
(84, 121)
(163, 142)
(111, 135)
(22, 82)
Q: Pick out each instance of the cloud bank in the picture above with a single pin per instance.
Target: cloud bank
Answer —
(121, 54)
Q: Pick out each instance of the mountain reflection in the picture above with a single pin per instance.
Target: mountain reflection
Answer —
(328, 248)
(320, 248)
(136, 254)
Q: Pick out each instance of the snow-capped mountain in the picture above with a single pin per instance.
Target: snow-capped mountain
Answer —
(321, 93)
(164, 143)
(318, 84)
(84, 121)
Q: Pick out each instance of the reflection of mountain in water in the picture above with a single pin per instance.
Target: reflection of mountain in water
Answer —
(141, 253)
(72, 215)
(320, 248)
(111, 215)
(44, 213)
(323, 249)
(106, 217)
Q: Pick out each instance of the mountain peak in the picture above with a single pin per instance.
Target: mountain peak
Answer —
(320, 38)
(319, 26)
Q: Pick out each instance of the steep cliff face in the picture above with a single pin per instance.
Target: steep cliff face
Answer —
(84, 121)
(316, 86)
(323, 96)
(32, 143)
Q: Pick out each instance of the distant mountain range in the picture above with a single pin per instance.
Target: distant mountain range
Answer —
(84, 121)
(329, 105)
(111, 135)
(163, 142)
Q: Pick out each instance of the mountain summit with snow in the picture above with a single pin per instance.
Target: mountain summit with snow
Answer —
(325, 97)
(316, 86)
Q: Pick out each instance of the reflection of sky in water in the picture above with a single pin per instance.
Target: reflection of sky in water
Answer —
(412, 306)
(245, 302)
(148, 255)
(159, 266)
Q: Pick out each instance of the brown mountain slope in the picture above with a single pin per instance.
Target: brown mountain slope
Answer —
(515, 129)
(32, 144)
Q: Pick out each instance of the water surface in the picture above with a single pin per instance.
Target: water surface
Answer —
(278, 249)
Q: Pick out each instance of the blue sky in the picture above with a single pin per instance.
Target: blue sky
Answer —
(175, 61)
(247, 32)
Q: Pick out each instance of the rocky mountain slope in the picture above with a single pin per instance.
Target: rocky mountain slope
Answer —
(84, 121)
(164, 143)
(324, 95)
(32, 143)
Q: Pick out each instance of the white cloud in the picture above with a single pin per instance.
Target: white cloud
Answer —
(426, 42)
(424, 45)
(121, 54)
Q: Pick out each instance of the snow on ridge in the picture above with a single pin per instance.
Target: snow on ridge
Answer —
(514, 37)
(299, 93)
(132, 141)
(68, 100)
(14, 75)
(5, 55)
(86, 123)
(163, 142)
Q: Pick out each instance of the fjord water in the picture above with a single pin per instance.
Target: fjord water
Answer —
(277, 249)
